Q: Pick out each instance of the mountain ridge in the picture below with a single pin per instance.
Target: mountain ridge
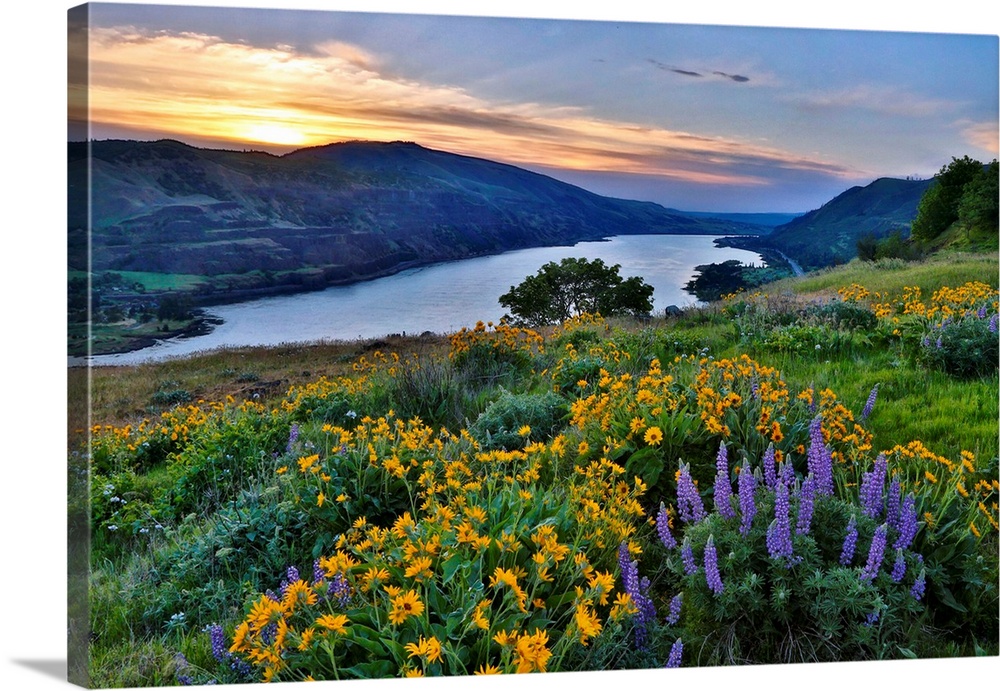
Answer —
(330, 214)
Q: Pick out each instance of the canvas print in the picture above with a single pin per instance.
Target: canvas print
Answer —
(408, 345)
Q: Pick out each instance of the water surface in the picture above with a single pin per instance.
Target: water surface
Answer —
(441, 298)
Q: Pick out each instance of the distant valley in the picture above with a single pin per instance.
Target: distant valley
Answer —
(249, 223)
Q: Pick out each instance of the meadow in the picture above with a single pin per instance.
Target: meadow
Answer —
(805, 473)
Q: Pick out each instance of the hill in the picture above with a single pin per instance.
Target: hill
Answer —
(330, 214)
(828, 235)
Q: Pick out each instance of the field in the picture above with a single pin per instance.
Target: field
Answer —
(806, 473)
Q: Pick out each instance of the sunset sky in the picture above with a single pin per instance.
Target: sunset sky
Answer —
(694, 117)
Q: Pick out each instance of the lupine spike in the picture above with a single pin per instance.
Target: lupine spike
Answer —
(674, 614)
(807, 498)
(876, 553)
(638, 591)
(779, 534)
(676, 652)
(687, 556)
(819, 461)
(869, 404)
(917, 591)
(908, 525)
(850, 542)
(770, 473)
(746, 487)
(723, 490)
(899, 567)
(712, 577)
(892, 503)
(663, 528)
(689, 502)
(873, 488)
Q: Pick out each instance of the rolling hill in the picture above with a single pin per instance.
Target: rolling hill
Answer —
(252, 221)
(828, 235)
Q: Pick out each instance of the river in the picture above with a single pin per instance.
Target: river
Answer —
(441, 298)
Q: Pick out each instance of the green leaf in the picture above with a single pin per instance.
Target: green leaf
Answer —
(379, 669)
(366, 638)
(907, 653)
(647, 464)
(450, 567)
(949, 600)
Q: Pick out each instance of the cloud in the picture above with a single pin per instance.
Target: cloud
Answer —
(691, 73)
(734, 77)
(199, 86)
(873, 98)
(983, 135)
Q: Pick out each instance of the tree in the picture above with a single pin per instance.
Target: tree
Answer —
(978, 207)
(938, 208)
(577, 286)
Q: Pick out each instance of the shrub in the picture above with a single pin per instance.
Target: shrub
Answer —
(964, 348)
(503, 424)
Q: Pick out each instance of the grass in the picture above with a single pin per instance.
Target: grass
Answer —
(139, 644)
(893, 275)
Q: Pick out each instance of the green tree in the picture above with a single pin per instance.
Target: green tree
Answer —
(576, 286)
(977, 209)
(938, 208)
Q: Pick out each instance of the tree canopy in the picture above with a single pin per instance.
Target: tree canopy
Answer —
(965, 190)
(577, 286)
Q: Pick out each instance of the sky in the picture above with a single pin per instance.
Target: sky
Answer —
(693, 116)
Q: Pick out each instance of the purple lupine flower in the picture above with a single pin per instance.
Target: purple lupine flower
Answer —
(873, 487)
(850, 542)
(220, 651)
(712, 576)
(982, 311)
(807, 499)
(663, 528)
(917, 591)
(628, 568)
(819, 461)
(638, 591)
(271, 595)
(723, 490)
(871, 618)
(907, 526)
(646, 614)
(875, 554)
(676, 651)
(319, 573)
(770, 477)
(754, 387)
(291, 576)
(674, 615)
(892, 503)
(869, 404)
(898, 568)
(993, 324)
(779, 533)
(786, 474)
(687, 556)
(689, 501)
(937, 344)
(182, 664)
(293, 436)
(746, 486)
(341, 590)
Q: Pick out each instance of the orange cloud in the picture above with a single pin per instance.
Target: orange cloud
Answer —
(200, 86)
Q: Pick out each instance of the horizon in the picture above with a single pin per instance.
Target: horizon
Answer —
(245, 149)
(711, 118)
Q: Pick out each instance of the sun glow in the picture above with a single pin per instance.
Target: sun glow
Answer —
(273, 133)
